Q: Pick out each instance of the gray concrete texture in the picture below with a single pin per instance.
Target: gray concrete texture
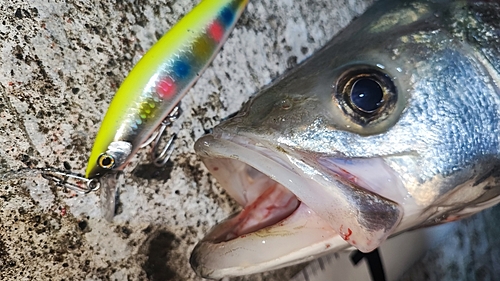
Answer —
(61, 63)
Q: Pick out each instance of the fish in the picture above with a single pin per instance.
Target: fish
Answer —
(392, 126)
(157, 83)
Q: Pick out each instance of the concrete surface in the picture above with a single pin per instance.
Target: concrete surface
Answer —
(60, 64)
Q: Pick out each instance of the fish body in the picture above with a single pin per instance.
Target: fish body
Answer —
(392, 126)
(158, 82)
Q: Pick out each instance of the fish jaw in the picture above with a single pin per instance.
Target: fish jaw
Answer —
(300, 237)
(330, 205)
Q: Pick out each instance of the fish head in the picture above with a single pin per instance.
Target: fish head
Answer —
(392, 126)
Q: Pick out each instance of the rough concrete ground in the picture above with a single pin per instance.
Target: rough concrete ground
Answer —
(61, 62)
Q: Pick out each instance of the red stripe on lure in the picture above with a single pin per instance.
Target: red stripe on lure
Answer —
(166, 88)
(216, 31)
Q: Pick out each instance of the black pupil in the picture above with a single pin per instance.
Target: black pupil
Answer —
(367, 95)
(106, 161)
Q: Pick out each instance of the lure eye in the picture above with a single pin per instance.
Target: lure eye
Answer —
(365, 93)
(106, 161)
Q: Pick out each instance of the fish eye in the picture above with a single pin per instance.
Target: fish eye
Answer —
(106, 161)
(365, 93)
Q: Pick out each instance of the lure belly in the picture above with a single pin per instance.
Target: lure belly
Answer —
(159, 81)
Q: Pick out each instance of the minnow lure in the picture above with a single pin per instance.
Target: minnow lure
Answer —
(157, 83)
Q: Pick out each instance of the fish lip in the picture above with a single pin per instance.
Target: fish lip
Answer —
(215, 146)
(205, 265)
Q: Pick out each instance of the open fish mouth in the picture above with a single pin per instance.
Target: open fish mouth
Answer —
(296, 206)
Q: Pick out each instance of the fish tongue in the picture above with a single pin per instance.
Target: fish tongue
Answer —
(299, 237)
(272, 206)
(275, 204)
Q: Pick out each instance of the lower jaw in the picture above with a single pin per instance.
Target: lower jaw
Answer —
(300, 237)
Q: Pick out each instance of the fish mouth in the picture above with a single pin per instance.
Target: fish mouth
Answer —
(296, 206)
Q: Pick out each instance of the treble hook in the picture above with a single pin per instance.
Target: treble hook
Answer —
(71, 181)
(160, 158)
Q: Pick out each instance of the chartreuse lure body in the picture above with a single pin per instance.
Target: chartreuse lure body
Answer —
(158, 82)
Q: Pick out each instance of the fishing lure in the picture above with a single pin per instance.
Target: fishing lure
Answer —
(151, 92)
